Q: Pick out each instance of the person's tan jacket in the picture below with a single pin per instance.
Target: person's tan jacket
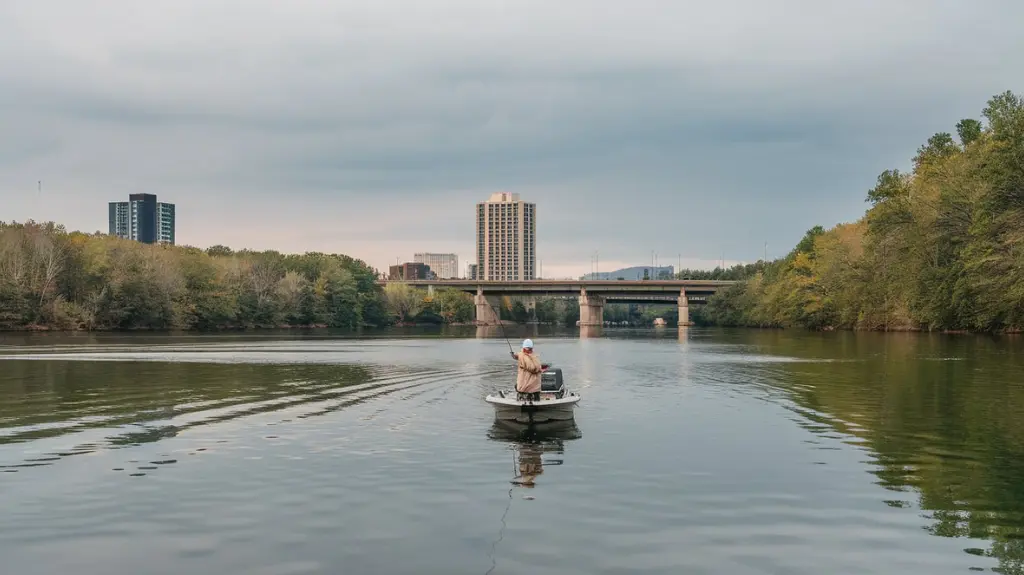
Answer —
(528, 378)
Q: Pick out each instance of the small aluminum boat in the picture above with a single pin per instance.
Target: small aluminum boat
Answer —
(556, 402)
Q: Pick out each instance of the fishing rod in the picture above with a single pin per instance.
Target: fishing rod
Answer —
(502, 326)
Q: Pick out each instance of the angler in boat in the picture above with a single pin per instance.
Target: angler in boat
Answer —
(540, 394)
(528, 378)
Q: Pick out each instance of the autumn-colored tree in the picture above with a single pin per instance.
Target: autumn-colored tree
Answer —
(54, 279)
(940, 248)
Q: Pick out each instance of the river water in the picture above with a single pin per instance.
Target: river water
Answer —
(693, 451)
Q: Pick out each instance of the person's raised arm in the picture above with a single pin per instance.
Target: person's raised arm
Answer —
(536, 367)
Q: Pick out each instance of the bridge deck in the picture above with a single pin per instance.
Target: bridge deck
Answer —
(602, 287)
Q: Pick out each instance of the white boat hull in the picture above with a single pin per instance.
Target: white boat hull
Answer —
(507, 407)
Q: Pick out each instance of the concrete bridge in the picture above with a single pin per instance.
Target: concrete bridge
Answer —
(592, 294)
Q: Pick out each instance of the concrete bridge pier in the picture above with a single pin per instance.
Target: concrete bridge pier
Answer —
(684, 309)
(591, 309)
(485, 314)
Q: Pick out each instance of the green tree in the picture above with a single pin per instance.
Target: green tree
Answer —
(454, 306)
(403, 301)
(890, 186)
(546, 311)
(308, 313)
(939, 147)
(806, 245)
(342, 300)
(969, 130)
(570, 311)
(519, 312)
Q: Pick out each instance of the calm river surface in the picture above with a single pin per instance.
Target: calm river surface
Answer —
(727, 452)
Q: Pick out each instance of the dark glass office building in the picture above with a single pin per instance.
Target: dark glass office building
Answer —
(143, 219)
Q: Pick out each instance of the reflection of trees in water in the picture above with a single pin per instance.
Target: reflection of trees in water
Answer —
(531, 443)
(42, 399)
(942, 417)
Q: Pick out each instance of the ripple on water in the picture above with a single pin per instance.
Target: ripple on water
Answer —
(299, 457)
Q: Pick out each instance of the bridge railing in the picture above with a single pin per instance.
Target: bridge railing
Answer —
(594, 283)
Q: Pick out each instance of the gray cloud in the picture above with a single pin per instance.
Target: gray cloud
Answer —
(372, 128)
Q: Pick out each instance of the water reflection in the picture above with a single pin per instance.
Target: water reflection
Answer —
(530, 444)
(939, 419)
(47, 399)
(488, 331)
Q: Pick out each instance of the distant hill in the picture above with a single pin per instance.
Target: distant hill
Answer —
(633, 273)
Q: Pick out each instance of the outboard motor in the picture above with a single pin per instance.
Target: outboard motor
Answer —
(551, 381)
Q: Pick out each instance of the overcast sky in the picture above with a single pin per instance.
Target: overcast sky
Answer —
(700, 129)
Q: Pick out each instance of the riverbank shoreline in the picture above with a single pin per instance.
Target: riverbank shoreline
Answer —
(1009, 331)
(29, 329)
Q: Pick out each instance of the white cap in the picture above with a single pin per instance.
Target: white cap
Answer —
(528, 343)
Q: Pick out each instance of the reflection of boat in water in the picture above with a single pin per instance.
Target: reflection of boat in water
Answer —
(537, 432)
(532, 442)
(556, 402)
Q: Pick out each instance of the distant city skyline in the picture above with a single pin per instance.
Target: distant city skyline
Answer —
(632, 272)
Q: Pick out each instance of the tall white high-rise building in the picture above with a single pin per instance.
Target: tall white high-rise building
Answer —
(445, 266)
(506, 238)
(143, 219)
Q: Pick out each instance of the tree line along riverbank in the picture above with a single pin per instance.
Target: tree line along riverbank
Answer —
(54, 279)
(939, 248)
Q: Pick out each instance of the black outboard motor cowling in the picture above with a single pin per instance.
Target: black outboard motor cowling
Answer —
(551, 380)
